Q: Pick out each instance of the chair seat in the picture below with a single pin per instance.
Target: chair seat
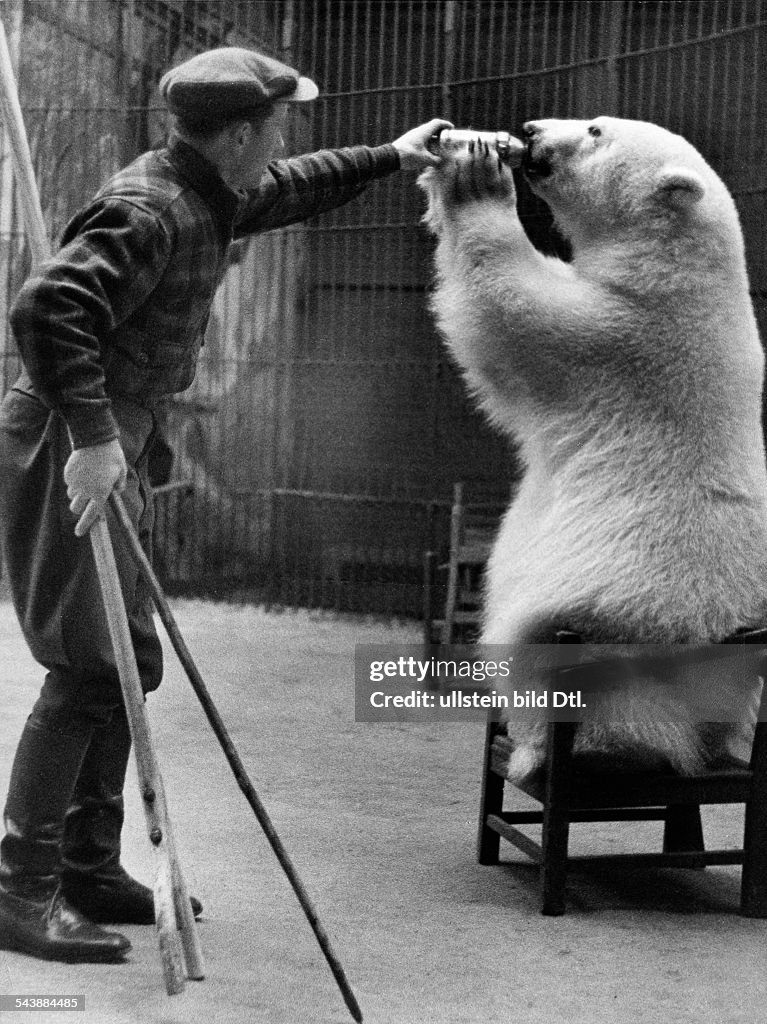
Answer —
(607, 788)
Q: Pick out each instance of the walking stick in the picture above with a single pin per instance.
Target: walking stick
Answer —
(171, 898)
(235, 762)
(172, 907)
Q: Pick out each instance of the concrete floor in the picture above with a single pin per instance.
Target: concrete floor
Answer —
(380, 822)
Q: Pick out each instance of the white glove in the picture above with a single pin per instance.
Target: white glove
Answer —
(91, 474)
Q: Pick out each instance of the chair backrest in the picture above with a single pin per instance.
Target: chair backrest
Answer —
(473, 526)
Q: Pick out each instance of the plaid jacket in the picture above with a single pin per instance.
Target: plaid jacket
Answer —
(121, 309)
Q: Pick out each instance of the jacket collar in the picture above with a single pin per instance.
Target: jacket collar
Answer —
(205, 179)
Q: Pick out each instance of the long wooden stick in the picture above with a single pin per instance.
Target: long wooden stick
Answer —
(150, 781)
(235, 762)
(172, 906)
(13, 122)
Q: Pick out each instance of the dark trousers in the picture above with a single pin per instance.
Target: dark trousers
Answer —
(55, 590)
(51, 573)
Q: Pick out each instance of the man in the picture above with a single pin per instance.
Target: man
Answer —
(109, 325)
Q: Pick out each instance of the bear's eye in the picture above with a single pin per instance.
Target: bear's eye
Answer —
(595, 131)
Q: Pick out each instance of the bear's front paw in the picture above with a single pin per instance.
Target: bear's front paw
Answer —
(471, 175)
(475, 174)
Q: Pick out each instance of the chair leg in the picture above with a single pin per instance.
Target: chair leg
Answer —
(683, 829)
(753, 892)
(556, 817)
(491, 802)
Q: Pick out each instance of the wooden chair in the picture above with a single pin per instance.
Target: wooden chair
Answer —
(473, 527)
(569, 796)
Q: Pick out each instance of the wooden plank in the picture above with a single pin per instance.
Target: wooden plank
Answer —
(690, 859)
(516, 838)
(591, 815)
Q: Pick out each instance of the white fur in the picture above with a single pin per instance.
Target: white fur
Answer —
(631, 379)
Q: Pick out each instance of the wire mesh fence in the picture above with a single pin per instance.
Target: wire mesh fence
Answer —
(313, 460)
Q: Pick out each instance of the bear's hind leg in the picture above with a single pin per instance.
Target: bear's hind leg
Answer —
(529, 749)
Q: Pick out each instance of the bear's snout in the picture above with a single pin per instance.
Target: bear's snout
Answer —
(535, 164)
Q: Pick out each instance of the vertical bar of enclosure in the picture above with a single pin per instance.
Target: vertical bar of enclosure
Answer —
(721, 120)
(713, 75)
(449, 15)
(579, 29)
(615, 14)
(740, 80)
(666, 108)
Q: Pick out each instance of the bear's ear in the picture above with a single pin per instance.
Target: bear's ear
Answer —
(680, 187)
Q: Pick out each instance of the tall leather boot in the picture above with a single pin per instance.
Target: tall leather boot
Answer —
(35, 917)
(93, 879)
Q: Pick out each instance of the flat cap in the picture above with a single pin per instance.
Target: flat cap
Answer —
(224, 83)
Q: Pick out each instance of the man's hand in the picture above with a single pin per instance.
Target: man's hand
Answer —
(91, 474)
(412, 146)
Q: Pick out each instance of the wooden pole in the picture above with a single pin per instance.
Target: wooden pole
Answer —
(22, 159)
(171, 899)
(10, 241)
(150, 781)
(235, 762)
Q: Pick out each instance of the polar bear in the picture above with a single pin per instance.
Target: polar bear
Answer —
(631, 379)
